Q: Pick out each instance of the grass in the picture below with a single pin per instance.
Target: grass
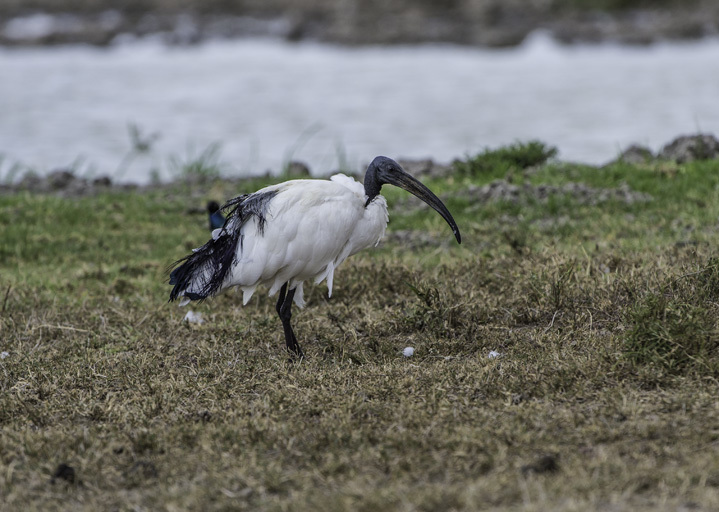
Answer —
(202, 167)
(604, 396)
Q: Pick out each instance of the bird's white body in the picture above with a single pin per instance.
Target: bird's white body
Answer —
(309, 228)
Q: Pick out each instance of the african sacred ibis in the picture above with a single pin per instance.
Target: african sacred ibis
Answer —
(285, 234)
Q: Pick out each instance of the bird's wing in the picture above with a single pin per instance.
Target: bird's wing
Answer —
(307, 227)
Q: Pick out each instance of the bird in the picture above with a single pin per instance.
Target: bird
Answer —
(295, 231)
(217, 220)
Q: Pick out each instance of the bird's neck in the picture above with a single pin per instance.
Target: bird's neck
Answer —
(372, 185)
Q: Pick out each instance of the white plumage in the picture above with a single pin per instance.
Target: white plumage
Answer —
(312, 226)
(292, 232)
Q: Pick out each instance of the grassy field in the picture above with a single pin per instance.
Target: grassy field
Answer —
(598, 287)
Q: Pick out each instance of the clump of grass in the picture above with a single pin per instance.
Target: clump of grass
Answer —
(10, 171)
(205, 166)
(435, 311)
(670, 334)
(551, 290)
(675, 328)
(498, 162)
(140, 144)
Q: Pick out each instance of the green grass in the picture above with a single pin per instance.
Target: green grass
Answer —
(604, 396)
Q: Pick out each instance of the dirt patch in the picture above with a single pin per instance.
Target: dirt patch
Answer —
(65, 473)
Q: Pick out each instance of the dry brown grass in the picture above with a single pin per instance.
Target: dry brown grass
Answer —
(108, 401)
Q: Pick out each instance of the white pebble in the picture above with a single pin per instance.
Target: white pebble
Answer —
(493, 354)
(408, 352)
(4, 354)
(193, 318)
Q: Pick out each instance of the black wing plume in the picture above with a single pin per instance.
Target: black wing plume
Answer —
(205, 270)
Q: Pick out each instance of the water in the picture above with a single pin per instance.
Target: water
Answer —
(267, 102)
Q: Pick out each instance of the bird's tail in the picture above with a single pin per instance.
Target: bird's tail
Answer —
(202, 273)
(205, 272)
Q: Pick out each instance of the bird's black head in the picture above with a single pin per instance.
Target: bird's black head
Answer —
(385, 171)
(212, 207)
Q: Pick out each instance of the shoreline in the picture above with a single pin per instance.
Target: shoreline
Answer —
(482, 24)
(67, 183)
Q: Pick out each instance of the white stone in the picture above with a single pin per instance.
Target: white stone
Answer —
(193, 318)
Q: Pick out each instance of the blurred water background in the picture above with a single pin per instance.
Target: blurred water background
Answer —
(256, 104)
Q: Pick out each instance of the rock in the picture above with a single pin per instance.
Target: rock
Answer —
(635, 154)
(296, 169)
(61, 182)
(102, 182)
(688, 148)
(60, 179)
(30, 182)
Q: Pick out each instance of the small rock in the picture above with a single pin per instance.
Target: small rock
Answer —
(31, 182)
(635, 154)
(518, 398)
(60, 179)
(102, 181)
(193, 318)
(493, 354)
(296, 169)
(408, 352)
(689, 148)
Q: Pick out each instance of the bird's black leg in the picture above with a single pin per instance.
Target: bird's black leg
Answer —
(284, 310)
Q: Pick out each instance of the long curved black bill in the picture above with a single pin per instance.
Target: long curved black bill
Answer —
(404, 180)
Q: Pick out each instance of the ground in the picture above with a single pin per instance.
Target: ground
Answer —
(597, 287)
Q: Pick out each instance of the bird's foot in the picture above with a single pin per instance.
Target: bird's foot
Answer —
(295, 352)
